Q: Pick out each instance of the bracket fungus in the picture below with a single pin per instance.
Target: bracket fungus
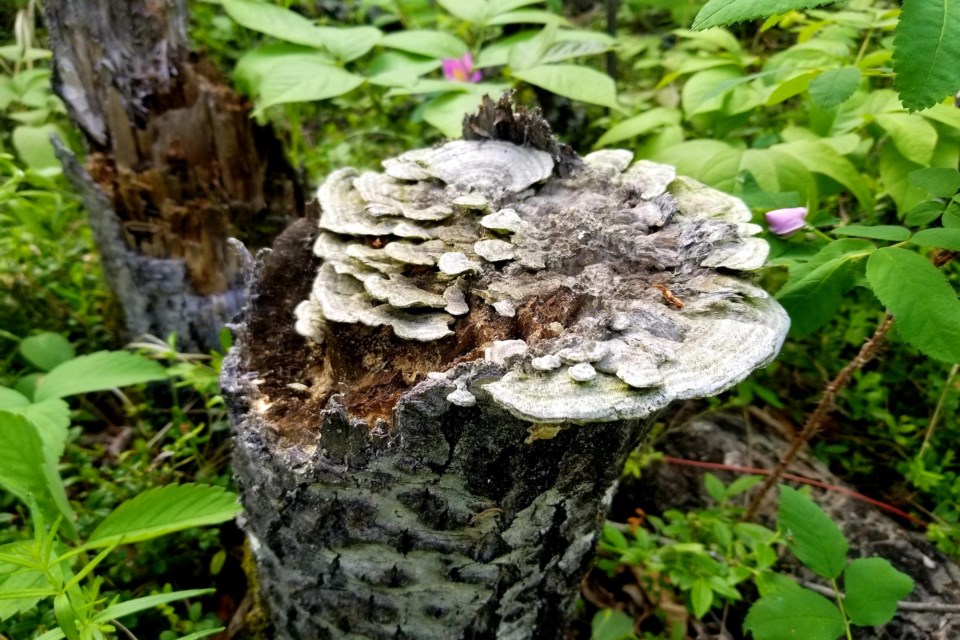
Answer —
(483, 333)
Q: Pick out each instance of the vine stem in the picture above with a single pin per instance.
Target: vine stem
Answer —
(838, 596)
(814, 422)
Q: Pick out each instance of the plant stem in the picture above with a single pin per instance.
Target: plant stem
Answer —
(825, 406)
(819, 233)
(839, 598)
(936, 412)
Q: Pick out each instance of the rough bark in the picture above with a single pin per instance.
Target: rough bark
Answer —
(174, 166)
(403, 479)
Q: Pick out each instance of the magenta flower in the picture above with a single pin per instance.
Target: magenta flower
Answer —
(783, 222)
(460, 69)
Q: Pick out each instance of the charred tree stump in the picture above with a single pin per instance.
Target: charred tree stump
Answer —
(483, 334)
(174, 167)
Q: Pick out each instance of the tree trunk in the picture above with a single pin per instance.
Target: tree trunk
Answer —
(483, 336)
(174, 166)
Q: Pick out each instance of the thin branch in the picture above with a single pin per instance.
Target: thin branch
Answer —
(903, 605)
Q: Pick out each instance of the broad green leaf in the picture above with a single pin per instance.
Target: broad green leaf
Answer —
(399, 69)
(639, 125)
(873, 589)
(714, 487)
(51, 417)
(272, 20)
(925, 49)
(791, 87)
(701, 597)
(700, 92)
(527, 16)
(716, 13)
(258, 63)
(162, 510)
(815, 289)
(951, 217)
(811, 535)
(349, 43)
(446, 112)
(834, 86)
(472, 11)
(876, 231)
(610, 624)
(941, 238)
(794, 613)
(529, 54)
(305, 81)
(941, 182)
(424, 42)
(574, 82)
(915, 137)
(819, 157)
(692, 157)
(502, 6)
(46, 350)
(920, 298)
(33, 146)
(894, 174)
(924, 213)
(26, 471)
(569, 43)
(11, 399)
(97, 372)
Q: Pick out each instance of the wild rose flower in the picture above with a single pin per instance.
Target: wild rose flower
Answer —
(783, 222)
(460, 69)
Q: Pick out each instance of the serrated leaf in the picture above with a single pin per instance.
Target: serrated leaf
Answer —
(26, 470)
(890, 232)
(873, 589)
(941, 182)
(793, 613)
(97, 372)
(162, 510)
(834, 86)
(51, 417)
(811, 535)
(716, 13)
(815, 289)
(574, 82)
(424, 42)
(941, 238)
(925, 48)
(920, 298)
(639, 125)
(610, 624)
(914, 137)
(46, 350)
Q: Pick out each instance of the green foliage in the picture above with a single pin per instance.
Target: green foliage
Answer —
(723, 12)
(927, 39)
(873, 587)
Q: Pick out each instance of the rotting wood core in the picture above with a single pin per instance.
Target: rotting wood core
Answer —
(369, 366)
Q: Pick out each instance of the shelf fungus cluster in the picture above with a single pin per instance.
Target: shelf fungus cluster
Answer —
(652, 259)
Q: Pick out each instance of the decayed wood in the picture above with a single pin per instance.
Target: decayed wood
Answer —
(174, 167)
(483, 334)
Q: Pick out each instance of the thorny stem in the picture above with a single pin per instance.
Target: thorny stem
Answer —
(814, 422)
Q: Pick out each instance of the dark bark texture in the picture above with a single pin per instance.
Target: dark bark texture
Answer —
(458, 522)
(174, 166)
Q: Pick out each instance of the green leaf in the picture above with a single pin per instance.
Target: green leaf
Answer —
(272, 20)
(18, 579)
(97, 372)
(51, 418)
(610, 624)
(819, 157)
(399, 69)
(876, 231)
(791, 87)
(33, 146)
(528, 16)
(27, 472)
(701, 597)
(940, 182)
(529, 53)
(714, 487)
(914, 137)
(305, 80)
(920, 298)
(811, 535)
(11, 399)
(162, 510)
(46, 350)
(815, 289)
(424, 42)
(206, 633)
(446, 112)
(741, 484)
(834, 86)
(894, 174)
(940, 238)
(873, 589)
(716, 13)
(793, 613)
(705, 90)
(349, 43)
(639, 125)
(472, 11)
(925, 49)
(924, 213)
(575, 82)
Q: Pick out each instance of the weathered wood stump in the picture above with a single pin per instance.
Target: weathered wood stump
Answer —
(483, 334)
(175, 165)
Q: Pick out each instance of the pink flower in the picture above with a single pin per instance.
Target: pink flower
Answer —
(783, 222)
(460, 69)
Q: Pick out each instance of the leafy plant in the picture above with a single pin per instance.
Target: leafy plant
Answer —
(873, 587)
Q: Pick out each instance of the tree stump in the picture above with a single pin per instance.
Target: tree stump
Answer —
(483, 334)
(175, 166)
